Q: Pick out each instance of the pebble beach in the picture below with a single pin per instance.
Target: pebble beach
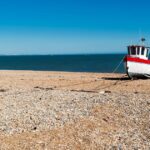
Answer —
(66, 110)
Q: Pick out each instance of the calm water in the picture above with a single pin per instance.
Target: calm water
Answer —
(73, 63)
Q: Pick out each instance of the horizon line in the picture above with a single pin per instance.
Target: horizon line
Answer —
(61, 54)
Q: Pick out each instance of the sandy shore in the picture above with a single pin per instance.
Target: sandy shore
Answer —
(60, 110)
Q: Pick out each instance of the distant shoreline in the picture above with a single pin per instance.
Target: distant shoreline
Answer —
(111, 73)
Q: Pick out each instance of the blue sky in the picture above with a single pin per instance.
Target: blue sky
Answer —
(72, 26)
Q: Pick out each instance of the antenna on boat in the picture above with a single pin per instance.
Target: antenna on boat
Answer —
(142, 39)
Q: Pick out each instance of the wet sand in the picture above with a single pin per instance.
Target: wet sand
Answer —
(62, 110)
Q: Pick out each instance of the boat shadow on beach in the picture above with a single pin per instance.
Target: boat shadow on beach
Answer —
(123, 78)
(116, 78)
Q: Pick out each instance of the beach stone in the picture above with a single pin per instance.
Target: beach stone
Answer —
(104, 92)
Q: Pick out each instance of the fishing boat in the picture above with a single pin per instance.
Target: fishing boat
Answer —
(137, 63)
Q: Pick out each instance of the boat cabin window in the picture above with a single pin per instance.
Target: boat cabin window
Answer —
(143, 50)
(133, 50)
(138, 50)
(147, 53)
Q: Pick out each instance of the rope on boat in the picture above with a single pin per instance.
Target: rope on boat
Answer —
(118, 65)
(116, 82)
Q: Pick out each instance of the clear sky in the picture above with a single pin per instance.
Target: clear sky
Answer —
(72, 26)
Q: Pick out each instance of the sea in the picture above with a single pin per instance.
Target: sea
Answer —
(100, 63)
